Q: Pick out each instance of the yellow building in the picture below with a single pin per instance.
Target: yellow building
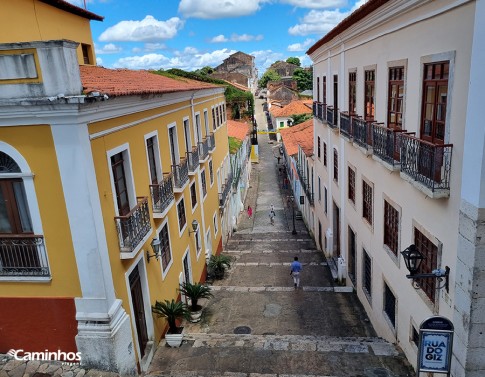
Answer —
(94, 165)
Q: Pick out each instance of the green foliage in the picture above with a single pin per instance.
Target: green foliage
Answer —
(269, 75)
(234, 145)
(205, 71)
(300, 118)
(303, 78)
(172, 310)
(177, 73)
(195, 292)
(218, 265)
(294, 60)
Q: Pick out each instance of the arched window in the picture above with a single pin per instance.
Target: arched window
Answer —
(21, 252)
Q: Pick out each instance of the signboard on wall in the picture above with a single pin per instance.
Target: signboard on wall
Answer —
(435, 345)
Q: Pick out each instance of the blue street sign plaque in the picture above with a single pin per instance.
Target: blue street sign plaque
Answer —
(435, 345)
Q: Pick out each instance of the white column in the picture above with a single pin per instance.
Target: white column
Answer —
(469, 277)
(104, 332)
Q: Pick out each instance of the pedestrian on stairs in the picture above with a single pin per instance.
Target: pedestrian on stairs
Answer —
(295, 272)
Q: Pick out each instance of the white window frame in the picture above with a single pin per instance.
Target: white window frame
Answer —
(159, 229)
(176, 147)
(193, 183)
(181, 231)
(211, 176)
(216, 225)
(158, 161)
(130, 182)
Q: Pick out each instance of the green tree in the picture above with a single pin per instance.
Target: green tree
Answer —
(269, 75)
(294, 60)
(303, 78)
(300, 118)
(205, 70)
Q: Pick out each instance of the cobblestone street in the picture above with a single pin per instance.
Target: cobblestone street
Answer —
(258, 324)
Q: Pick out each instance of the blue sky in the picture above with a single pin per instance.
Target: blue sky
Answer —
(190, 34)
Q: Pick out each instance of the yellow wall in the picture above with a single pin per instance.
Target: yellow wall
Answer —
(32, 20)
(35, 144)
(160, 289)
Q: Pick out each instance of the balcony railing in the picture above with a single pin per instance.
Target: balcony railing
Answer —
(314, 109)
(426, 163)
(162, 194)
(23, 255)
(345, 124)
(134, 226)
(203, 149)
(387, 144)
(193, 159)
(180, 174)
(212, 142)
(362, 132)
(226, 189)
(331, 120)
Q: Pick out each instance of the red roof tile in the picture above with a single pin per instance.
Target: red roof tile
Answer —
(124, 82)
(301, 134)
(354, 17)
(238, 130)
(294, 107)
(68, 7)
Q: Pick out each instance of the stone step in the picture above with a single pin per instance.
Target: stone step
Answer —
(267, 251)
(294, 343)
(265, 235)
(229, 288)
(225, 374)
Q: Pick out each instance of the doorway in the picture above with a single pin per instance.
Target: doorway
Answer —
(138, 309)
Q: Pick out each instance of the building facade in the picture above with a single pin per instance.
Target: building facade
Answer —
(109, 184)
(240, 68)
(401, 163)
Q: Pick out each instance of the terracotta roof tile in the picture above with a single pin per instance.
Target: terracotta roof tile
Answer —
(301, 134)
(294, 107)
(123, 82)
(68, 7)
(239, 130)
(238, 86)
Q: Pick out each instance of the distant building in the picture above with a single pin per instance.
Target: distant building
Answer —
(283, 92)
(239, 68)
(284, 69)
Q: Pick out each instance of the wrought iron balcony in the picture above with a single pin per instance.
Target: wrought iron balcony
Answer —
(314, 109)
(237, 177)
(224, 195)
(331, 119)
(134, 226)
(322, 111)
(362, 132)
(427, 163)
(23, 255)
(180, 174)
(346, 124)
(203, 150)
(193, 160)
(387, 144)
(212, 142)
(162, 194)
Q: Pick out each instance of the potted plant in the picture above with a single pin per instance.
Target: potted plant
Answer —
(172, 311)
(218, 265)
(195, 292)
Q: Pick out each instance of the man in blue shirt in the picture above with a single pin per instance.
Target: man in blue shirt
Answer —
(295, 272)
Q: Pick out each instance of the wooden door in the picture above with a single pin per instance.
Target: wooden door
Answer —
(138, 310)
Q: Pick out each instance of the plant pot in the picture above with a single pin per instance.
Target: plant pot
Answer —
(196, 314)
(175, 339)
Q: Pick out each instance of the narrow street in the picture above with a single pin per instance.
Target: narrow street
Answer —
(258, 324)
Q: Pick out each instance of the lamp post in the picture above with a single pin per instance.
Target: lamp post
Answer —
(413, 258)
(155, 244)
(292, 200)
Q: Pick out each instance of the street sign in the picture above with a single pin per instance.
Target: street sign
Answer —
(435, 345)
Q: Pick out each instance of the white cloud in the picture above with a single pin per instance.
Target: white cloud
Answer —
(316, 4)
(136, 50)
(318, 22)
(99, 61)
(301, 46)
(219, 38)
(109, 48)
(219, 8)
(146, 30)
(264, 58)
(321, 22)
(237, 38)
(188, 59)
(154, 46)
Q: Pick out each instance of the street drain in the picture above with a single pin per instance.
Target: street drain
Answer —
(378, 372)
(242, 330)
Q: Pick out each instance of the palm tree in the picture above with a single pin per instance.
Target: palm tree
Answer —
(195, 292)
(172, 310)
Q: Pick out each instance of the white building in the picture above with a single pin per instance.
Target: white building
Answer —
(401, 161)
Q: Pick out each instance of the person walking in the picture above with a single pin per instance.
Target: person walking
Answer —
(271, 217)
(295, 271)
(250, 212)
